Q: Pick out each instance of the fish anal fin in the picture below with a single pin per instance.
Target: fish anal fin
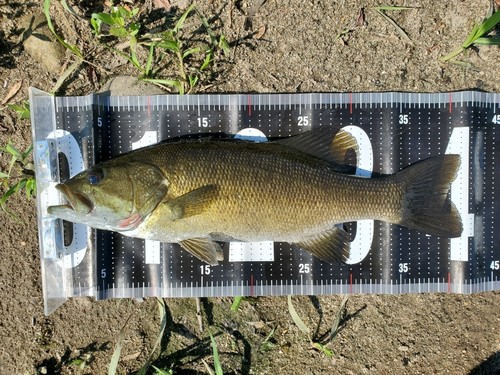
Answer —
(331, 246)
(204, 249)
(192, 203)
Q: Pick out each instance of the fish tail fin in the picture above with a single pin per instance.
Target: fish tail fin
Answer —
(426, 204)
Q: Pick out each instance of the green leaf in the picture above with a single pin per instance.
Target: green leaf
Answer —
(487, 41)
(28, 151)
(149, 61)
(13, 189)
(191, 51)
(193, 80)
(323, 348)
(224, 46)
(162, 372)
(22, 110)
(104, 17)
(487, 25)
(13, 151)
(118, 31)
(169, 44)
(236, 303)
(4, 175)
(182, 19)
(296, 318)
(30, 187)
(133, 53)
(207, 60)
(217, 365)
(477, 32)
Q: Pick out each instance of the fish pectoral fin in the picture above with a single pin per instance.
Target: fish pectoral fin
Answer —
(192, 203)
(204, 249)
(330, 246)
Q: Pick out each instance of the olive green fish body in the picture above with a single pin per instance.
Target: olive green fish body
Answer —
(263, 192)
(197, 192)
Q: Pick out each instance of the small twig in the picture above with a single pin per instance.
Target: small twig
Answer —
(198, 313)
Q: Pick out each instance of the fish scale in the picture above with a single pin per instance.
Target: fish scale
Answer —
(393, 130)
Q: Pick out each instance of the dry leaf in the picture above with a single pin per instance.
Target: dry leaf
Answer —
(260, 32)
(162, 4)
(167, 4)
(12, 92)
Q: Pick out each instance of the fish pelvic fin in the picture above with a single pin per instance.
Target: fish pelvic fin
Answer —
(204, 249)
(331, 246)
(426, 203)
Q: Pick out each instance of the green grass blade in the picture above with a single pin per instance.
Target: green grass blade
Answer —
(162, 309)
(113, 364)
(67, 73)
(236, 303)
(338, 318)
(30, 188)
(133, 53)
(487, 42)
(159, 371)
(224, 45)
(191, 51)
(13, 151)
(488, 24)
(296, 318)
(28, 151)
(475, 36)
(72, 48)
(217, 365)
(323, 348)
(13, 189)
(3, 175)
(149, 61)
(181, 20)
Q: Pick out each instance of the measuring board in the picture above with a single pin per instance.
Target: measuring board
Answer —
(393, 130)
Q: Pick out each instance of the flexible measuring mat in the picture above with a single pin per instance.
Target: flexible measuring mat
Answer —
(393, 130)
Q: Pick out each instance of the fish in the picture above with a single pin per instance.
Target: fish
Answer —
(200, 192)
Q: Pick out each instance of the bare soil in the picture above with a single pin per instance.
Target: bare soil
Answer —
(292, 46)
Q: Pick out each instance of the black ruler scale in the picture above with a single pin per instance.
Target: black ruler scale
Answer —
(393, 130)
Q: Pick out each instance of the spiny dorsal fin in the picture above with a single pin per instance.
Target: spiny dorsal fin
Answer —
(192, 203)
(324, 143)
(330, 246)
(204, 249)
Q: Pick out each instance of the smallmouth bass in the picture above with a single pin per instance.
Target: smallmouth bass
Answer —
(198, 192)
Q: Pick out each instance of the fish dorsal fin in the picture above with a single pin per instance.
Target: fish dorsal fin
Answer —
(323, 143)
(341, 144)
(330, 246)
(193, 202)
(204, 249)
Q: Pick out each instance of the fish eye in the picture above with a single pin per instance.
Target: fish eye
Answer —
(95, 176)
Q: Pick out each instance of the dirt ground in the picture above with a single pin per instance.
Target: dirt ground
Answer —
(292, 46)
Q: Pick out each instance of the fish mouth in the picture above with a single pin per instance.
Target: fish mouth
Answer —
(77, 202)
